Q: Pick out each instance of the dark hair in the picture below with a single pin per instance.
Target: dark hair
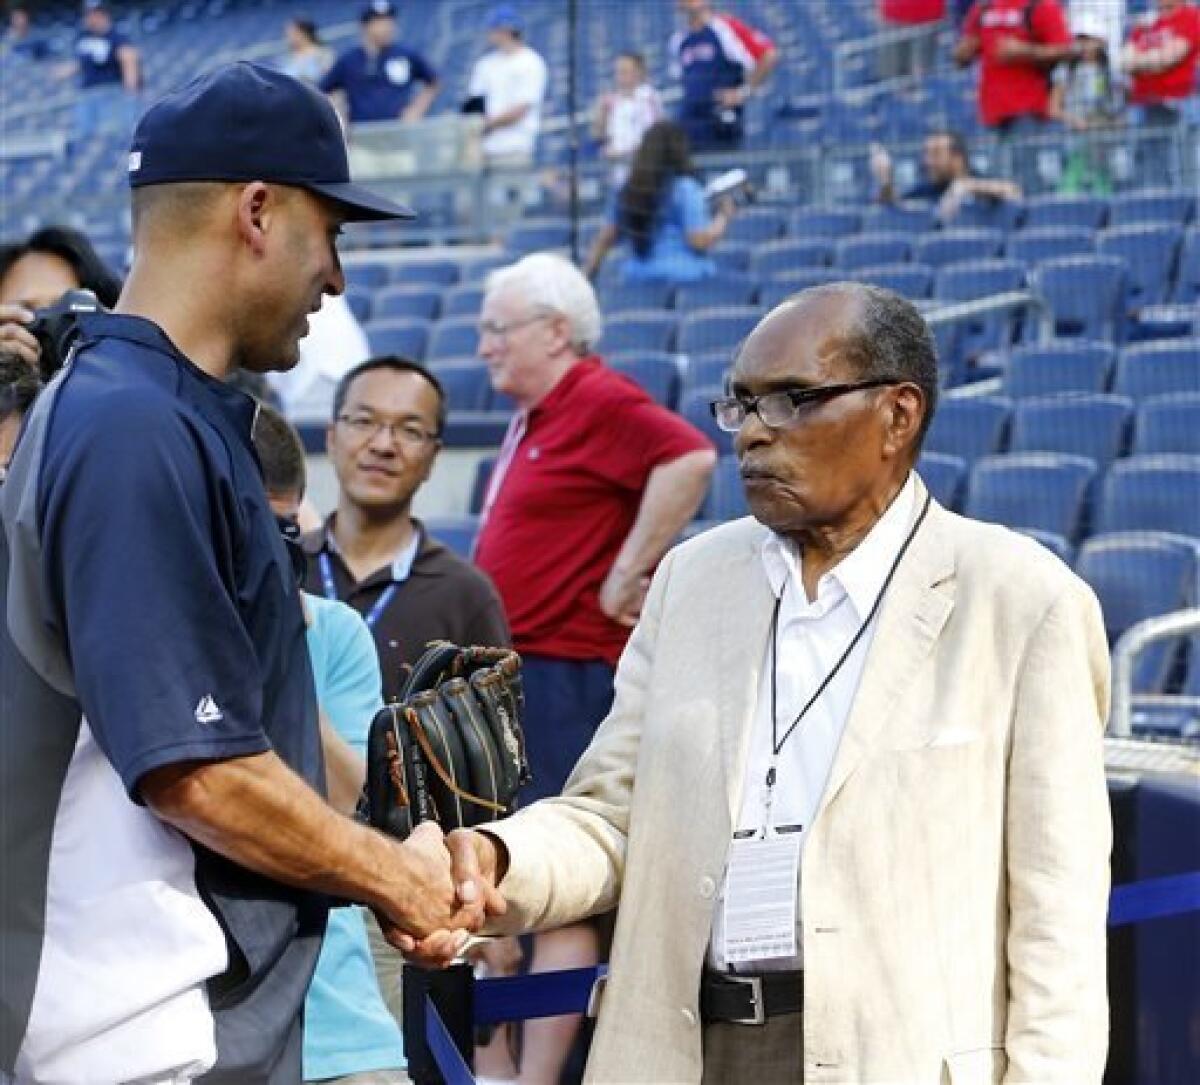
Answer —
(663, 155)
(280, 451)
(396, 364)
(308, 28)
(957, 141)
(635, 56)
(19, 385)
(72, 246)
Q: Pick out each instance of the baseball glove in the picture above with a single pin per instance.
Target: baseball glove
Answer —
(451, 749)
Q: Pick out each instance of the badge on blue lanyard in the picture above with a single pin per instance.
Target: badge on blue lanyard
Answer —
(400, 570)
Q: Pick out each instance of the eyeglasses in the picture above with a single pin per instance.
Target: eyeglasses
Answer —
(501, 328)
(778, 410)
(366, 427)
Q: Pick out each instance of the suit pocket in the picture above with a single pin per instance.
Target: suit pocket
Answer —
(979, 1066)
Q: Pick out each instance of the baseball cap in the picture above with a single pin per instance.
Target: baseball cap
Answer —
(378, 9)
(504, 17)
(245, 122)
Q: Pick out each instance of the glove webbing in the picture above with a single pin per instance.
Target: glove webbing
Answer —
(423, 741)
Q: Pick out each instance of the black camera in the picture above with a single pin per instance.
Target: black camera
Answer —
(56, 326)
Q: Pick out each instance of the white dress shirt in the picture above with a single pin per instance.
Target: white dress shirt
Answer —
(811, 638)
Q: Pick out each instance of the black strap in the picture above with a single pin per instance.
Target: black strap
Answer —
(750, 999)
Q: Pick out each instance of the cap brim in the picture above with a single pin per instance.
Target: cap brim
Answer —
(363, 205)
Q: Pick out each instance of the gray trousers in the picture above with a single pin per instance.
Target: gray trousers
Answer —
(770, 1054)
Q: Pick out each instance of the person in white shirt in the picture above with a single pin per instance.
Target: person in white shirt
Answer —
(511, 81)
(623, 115)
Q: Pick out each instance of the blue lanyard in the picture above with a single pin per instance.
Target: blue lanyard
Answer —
(330, 588)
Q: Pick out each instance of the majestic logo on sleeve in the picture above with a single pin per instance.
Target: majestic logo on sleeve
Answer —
(208, 711)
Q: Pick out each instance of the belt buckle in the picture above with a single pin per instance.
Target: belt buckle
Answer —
(755, 983)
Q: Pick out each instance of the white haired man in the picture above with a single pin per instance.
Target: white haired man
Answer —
(594, 482)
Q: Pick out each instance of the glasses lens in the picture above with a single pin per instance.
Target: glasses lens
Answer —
(730, 414)
(777, 409)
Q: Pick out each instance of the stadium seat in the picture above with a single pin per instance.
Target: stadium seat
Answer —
(809, 223)
(639, 329)
(784, 286)
(463, 301)
(732, 257)
(712, 329)
(466, 384)
(1084, 212)
(625, 297)
(479, 485)
(954, 246)
(1095, 426)
(658, 375)
(1150, 253)
(369, 277)
(1056, 544)
(1032, 246)
(1168, 423)
(407, 338)
(527, 237)
(906, 218)
(1154, 369)
(412, 302)
(969, 427)
(1142, 208)
(456, 532)
(913, 281)
(944, 477)
(756, 226)
(1084, 295)
(989, 214)
(726, 498)
(726, 290)
(476, 271)
(427, 272)
(1187, 274)
(1036, 490)
(456, 338)
(359, 302)
(1152, 493)
(707, 370)
(695, 407)
(871, 250)
(790, 254)
(970, 281)
(1140, 575)
(1046, 369)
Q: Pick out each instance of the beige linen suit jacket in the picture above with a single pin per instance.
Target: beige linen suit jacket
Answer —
(954, 882)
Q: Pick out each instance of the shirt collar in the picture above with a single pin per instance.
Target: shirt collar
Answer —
(402, 563)
(566, 384)
(859, 575)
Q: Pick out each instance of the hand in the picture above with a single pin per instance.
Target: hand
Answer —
(881, 164)
(623, 595)
(1011, 50)
(15, 337)
(727, 206)
(731, 97)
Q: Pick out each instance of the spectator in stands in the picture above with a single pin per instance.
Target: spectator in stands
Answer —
(507, 86)
(1084, 99)
(347, 1028)
(721, 62)
(918, 21)
(110, 74)
(1161, 58)
(36, 272)
(308, 57)
(19, 386)
(593, 483)
(662, 213)
(948, 180)
(1018, 44)
(624, 115)
(375, 81)
(20, 39)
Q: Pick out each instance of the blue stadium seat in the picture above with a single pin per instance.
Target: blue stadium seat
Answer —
(726, 498)
(989, 214)
(829, 222)
(413, 302)
(656, 374)
(913, 281)
(695, 407)
(756, 226)
(527, 237)
(1168, 423)
(954, 246)
(782, 287)
(1046, 369)
(1150, 253)
(1086, 212)
(456, 532)
(427, 272)
(908, 218)
(726, 290)
(1139, 575)
(1032, 246)
(1155, 369)
(359, 302)
(1095, 426)
(1141, 208)
(625, 297)
(466, 383)
(479, 485)
(790, 254)
(1187, 275)
(870, 250)
(476, 271)
(977, 279)
(1085, 296)
(969, 427)
(406, 338)
(1056, 544)
(1036, 490)
(944, 476)
(707, 370)
(732, 257)
(456, 338)
(463, 301)
(641, 329)
(366, 276)
(1152, 493)
(711, 329)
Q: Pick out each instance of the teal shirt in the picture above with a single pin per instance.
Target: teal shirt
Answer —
(671, 258)
(347, 1027)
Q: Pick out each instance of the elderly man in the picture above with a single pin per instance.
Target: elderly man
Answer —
(850, 797)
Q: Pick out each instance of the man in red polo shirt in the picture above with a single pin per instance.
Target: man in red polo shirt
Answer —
(1018, 43)
(593, 483)
(1161, 56)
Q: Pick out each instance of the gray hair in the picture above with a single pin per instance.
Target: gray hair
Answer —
(552, 284)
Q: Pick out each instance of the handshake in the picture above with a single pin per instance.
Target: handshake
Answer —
(444, 891)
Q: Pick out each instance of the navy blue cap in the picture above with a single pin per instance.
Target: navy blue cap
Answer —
(378, 9)
(244, 122)
(504, 17)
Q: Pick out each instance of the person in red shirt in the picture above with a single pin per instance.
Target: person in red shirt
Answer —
(912, 54)
(1018, 43)
(1161, 57)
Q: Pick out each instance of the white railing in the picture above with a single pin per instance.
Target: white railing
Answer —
(1134, 640)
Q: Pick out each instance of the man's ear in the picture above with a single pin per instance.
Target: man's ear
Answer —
(256, 207)
(907, 409)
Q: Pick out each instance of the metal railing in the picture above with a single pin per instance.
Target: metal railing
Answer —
(1133, 641)
(845, 52)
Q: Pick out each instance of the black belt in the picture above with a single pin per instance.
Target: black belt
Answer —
(750, 1000)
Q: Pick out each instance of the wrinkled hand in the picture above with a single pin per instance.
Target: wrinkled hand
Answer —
(15, 337)
(623, 595)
